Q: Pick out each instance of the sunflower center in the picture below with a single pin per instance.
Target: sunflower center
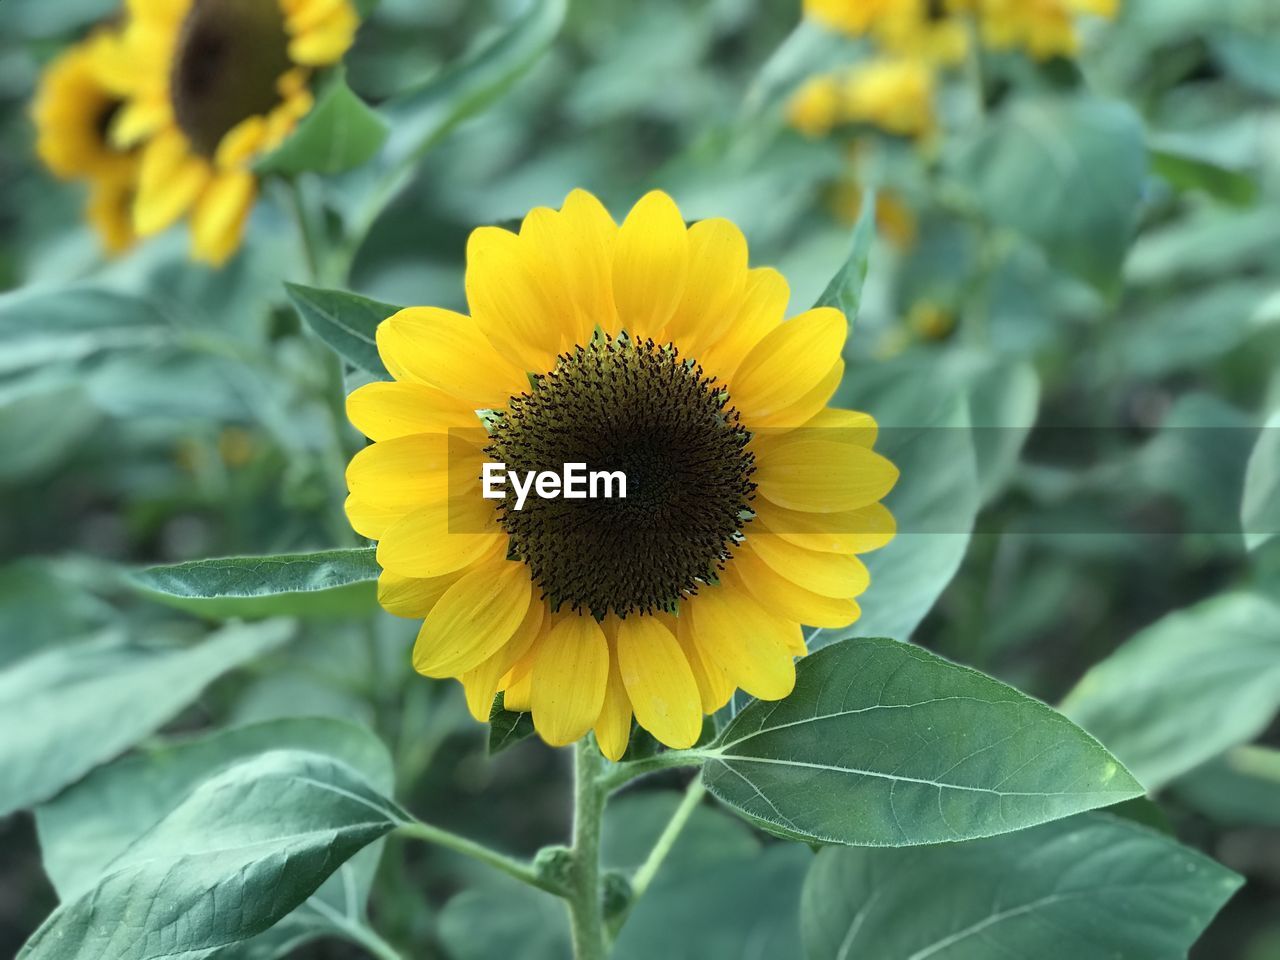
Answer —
(619, 404)
(230, 54)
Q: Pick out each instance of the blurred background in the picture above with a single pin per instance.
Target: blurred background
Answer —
(1077, 267)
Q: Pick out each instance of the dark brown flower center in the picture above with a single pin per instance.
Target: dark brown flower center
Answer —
(638, 408)
(229, 55)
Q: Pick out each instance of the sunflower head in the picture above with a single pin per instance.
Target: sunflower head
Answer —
(74, 109)
(216, 85)
(651, 350)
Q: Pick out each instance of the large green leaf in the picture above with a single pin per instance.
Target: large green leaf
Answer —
(1067, 173)
(78, 706)
(925, 432)
(68, 324)
(1260, 510)
(346, 322)
(244, 849)
(1089, 886)
(41, 606)
(41, 424)
(89, 825)
(325, 584)
(1186, 688)
(1239, 788)
(885, 744)
(340, 132)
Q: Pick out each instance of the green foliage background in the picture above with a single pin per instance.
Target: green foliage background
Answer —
(1090, 497)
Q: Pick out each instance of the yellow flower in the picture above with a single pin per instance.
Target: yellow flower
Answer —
(895, 95)
(213, 85)
(73, 111)
(1044, 28)
(648, 348)
(925, 29)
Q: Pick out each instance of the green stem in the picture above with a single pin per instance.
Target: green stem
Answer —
(355, 931)
(662, 847)
(305, 231)
(499, 861)
(623, 773)
(586, 907)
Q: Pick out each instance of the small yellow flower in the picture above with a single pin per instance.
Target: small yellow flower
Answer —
(213, 85)
(73, 111)
(895, 95)
(924, 29)
(649, 348)
(1044, 28)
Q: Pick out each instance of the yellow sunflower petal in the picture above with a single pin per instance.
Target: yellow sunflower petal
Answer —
(412, 597)
(474, 619)
(613, 726)
(241, 142)
(823, 475)
(511, 300)
(751, 645)
(714, 686)
(371, 519)
(659, 682)
(570, 673)
(326, 42)
(386, 410)
(828, 574)
(413, 471)
(170, 180)
(517, 686)
(717, 280)
(775, 592)
(851, 531)
(782, 369)
(481, 683)
(439, 538)
(218, 221)
(764, 303)
(446, 350)
(650, 265)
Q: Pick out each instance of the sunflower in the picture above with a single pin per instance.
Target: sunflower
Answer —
(924, 29)
(651, 349)
(73, 110)
(1044, 28)
(217, 84)
(894, 94)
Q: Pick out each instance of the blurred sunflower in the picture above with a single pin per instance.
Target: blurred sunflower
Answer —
(924, 29)
(1044, 28)
(216, 84)
(895, 95)
(649, 348)
(73, 110)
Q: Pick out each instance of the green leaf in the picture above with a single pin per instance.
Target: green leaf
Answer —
(885, 744)
(844, 292)
(1066, 173)
(81, 705)
(244, 849)
(507, 727)
(1191, 173)
(41, 425)
(341, 132)
(331, 583)
(1260, 509)
(69, 324)
(925, 432)
(1186, 688)
(41, 607)
(346, 322)
(1088, 886)
(89, 825)
(1239, 788)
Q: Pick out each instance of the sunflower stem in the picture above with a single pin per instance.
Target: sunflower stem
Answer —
(620, 774)
(584, 895)
(499, 861)
(661, 848)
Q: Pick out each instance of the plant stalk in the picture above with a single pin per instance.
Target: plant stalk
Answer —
(452, 841)
(584, 896)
